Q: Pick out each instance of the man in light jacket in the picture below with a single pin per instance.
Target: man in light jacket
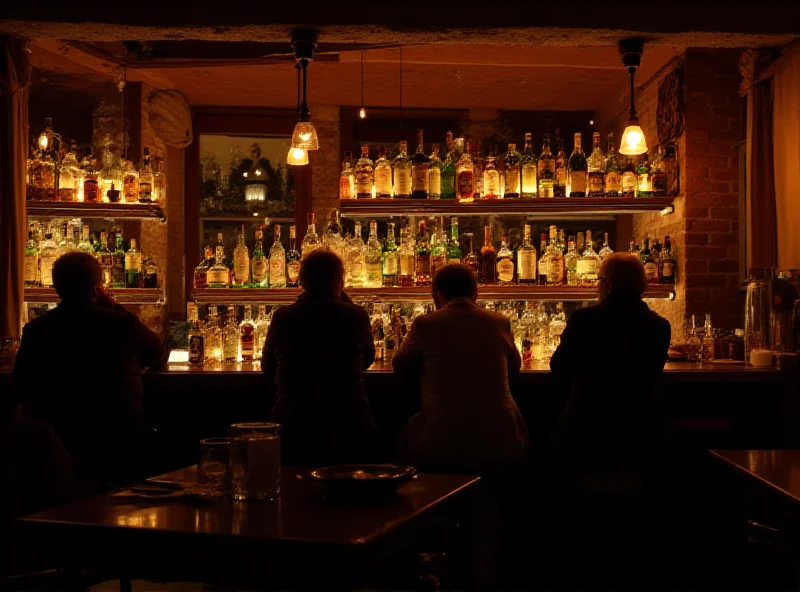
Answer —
(464, 357)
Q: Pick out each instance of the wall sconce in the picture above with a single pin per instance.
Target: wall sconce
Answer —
(48, 141)
(633, 141)
(255, 189)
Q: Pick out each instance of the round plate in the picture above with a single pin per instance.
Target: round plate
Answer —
(362, 480)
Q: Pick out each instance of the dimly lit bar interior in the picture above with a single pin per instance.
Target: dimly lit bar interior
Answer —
(495, 299)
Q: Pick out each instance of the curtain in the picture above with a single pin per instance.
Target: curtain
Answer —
(786, 142)
(761, 223)
(14, 76)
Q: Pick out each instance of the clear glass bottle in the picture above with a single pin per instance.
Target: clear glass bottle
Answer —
(577, 170)
(130, 183)
(465, 178)
(438, 248)
(407, 259)
(644, 185)
(383, 175)
(69, 178)
(555, 260)
(512, 170)
(374, 258)
(422, 263)
(133, 266)
(544, 260)
(571, 263)
(419, 170)
(332, 237)
(247, 336)
(435, 174)
(390, 258)
(118, 257)
(448, 186)
(589, 263)
(259, 262)
(401, 167)
(31, 277)
(596, 166)
(526, 258)
(546, 170)
(85, 245)
(364, 174)
(146, 179)
(605, 251)
(91, 184)
(48, 256)
(471, 259)
(658, 174)
(561, 178)
(529, 164)
(218, 275)
(230, 339)
(199, 279)
(241, 262)
(159, 191)
(356, 265)
(491, 179)
(262, 325)
(629, 180)
(347, 180)
(213, 337)
(478, 162)
(488, 258)
(292, 260)
(311, 240)
(505, 264)
(613, 178)
(277, 261)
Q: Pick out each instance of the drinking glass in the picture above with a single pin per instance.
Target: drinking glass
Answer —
(255, 460)
(757, 316)
(212, 470)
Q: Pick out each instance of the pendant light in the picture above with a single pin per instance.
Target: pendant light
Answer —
(633, 141)
(362, 113)
(305, 136)
(297, 156)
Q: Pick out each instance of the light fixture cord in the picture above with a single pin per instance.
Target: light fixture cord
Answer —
(631, 72)
(305, 68)
(297, 67)
(401, 89)
(362, 79)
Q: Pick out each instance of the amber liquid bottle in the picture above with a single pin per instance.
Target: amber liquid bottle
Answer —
(488, 258)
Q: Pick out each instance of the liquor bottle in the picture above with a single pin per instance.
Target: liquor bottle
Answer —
(435, 174)
(277, 261)
(571, 263)
(471, 260)
(407, 259)
(505, 264)
(43, 176)
(230, 339)
(465, 178)
(488, 258)
(644, 185)
(422, 263)
(491, 179)
(512, 171)
(311, 240)
(106, 178)
(218, 275)
(146, 179)
(596, 165)
(347, 180)
(130, 183)
(374, 257)
(241, 262)
(91, 185)
(613, 178)
(159, 178)
(650, 270)
(454, 246)
(666, 268)
(31, 277)
(69, 177)
(419, 170)
(577, 170)
(85, 245)
(402, 172)
(118, 257)
(332, 237)
(449, 170)
(438, 248)
(547, 170)
(606, 250)
(561, 172)
(197, 343)
(555, 260)
(262, 326)
(247, 335)
(292, 260)
(658, 174)
(588, 263)
(355, 264)
(526, 259)
(133, 266)
(544, 260)
(213, 337)
(105, 258)
(529, 186)
(383, 175)
(48, 256)
(260, 263)
(199, 279)
(629, 179)
(364, 174)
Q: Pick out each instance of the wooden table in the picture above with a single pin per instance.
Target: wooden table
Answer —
(302, 540)
(777, 471)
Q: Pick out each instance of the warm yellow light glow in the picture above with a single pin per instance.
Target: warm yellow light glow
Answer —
(305, 136)
(362, 113)
(633, 141)
(43, 142)
(297, 157)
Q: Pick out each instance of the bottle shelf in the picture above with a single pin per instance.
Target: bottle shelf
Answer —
(556, 208)
(121, 295)
(77, 209)
(239, 296)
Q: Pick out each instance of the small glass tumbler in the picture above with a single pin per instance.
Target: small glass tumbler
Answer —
(255, 460)
(212, 470)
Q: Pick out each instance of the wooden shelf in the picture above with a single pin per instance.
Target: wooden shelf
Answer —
(557, 208)
(122, 295)
(241, 296)
(77, 209)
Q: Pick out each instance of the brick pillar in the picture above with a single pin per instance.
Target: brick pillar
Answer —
(325, 163)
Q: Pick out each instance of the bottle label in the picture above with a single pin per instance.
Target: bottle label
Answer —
(613, 183)
(577, 181)
(596, 184)
(644, 183)
(650, 271)
(31, 268)
(345, 188)
(561, 176)
(512, 181)
(526, 267)
(390, 264)
(374, 275)
(505, 270)
(248, 341)
(383, 182)
(491, 182)
(423, 265)
(466, 185)
(555, 270)
(277, 273)
(402, 182)
(435, 182)
(133, 262)
(659, 181)
(200, 279)
(667, 269)
(628, 183)
(420, 177)
(587, 268)
(293, 271)
(546, 170)
(217, 276)
(406, 265)
(529, 179)
(241, 269)
(260, 270)
(196, 349)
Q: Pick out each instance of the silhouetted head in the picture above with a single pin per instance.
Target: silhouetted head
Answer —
(77, 277)
(621, 276)
(322, 273)
(454, 281)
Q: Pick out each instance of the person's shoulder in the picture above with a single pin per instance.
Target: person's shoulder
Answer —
(658, 320)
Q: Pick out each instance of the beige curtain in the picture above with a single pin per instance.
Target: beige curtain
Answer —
(761, 225)
(786, 142)
(14, 76)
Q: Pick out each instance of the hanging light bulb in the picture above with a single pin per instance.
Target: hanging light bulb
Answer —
(304, 136)
(633, 141)
(297, 157)
(362, 113)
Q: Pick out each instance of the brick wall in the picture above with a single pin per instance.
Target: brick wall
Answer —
(325, 163)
